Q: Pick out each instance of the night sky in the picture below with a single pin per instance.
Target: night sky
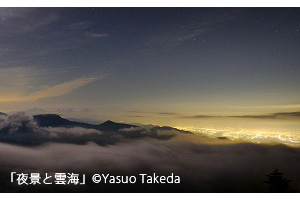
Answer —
(141, 64)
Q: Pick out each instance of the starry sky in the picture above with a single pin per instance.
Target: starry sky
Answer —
(148, 65)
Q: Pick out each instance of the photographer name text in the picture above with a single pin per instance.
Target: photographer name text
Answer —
(80, 179)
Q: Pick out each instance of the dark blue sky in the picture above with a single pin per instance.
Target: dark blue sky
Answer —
(118, 62)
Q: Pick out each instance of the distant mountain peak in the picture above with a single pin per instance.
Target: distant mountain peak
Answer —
(51, 120)
(110, 125)
(108, 122)
(53, 115)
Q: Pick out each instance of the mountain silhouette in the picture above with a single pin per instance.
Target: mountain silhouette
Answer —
(21, 129)
(113, 126)
(168, 128)
(51, 120)
(54, 120)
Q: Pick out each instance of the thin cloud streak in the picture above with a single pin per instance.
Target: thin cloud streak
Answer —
(54, 91)
(174, 36)
(281, 115)
(96, 35)
(159, 113)
(202, 116)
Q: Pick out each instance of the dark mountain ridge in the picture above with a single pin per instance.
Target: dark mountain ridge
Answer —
(53, 120)
(21, 129)
(108, 127)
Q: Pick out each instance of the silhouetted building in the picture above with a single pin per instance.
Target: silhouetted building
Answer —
(277, 183)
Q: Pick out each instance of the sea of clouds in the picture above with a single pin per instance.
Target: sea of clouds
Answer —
(204, 165)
